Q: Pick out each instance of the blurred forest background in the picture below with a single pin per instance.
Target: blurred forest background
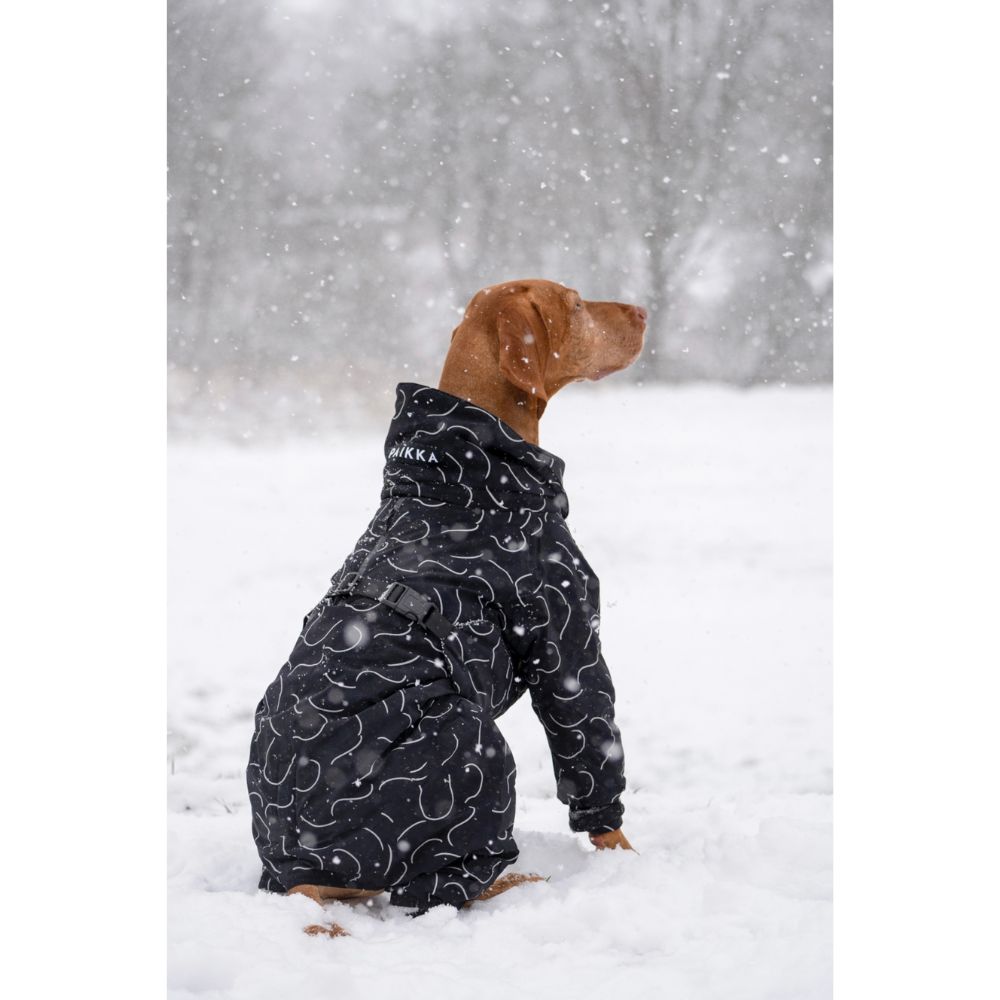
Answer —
(344, 176)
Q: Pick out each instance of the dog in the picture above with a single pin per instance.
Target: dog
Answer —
(376, 764)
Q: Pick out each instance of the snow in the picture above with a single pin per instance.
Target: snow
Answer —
(706, 513)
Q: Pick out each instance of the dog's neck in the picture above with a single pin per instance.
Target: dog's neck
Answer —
(472, 372)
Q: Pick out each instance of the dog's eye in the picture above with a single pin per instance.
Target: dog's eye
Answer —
(579, 305)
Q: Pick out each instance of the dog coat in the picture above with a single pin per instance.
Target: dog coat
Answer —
(376, 761)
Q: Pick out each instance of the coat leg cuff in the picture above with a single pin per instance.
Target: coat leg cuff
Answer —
(600, 819)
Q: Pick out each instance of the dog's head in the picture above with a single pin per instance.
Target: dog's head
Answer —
(546, 335)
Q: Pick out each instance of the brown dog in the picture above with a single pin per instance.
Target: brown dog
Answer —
(518, 344)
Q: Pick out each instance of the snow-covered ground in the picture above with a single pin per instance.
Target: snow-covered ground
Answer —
(706, 512)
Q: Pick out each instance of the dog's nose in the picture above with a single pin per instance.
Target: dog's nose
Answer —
(639, 312)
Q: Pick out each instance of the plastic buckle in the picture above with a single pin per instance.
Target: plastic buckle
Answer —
(392, 593)
(407, 602)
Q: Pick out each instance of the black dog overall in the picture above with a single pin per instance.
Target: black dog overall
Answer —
(376, 762)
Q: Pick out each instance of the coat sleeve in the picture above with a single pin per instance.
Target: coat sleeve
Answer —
(573, 696)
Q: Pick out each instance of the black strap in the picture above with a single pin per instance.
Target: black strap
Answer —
(403, 599)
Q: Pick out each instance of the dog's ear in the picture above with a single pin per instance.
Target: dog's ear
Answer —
(523, 341)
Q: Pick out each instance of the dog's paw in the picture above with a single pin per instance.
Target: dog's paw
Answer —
(611, 840)
(330, 930)
(506, 882)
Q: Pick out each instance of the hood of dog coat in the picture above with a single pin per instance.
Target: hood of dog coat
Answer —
(445, 449)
